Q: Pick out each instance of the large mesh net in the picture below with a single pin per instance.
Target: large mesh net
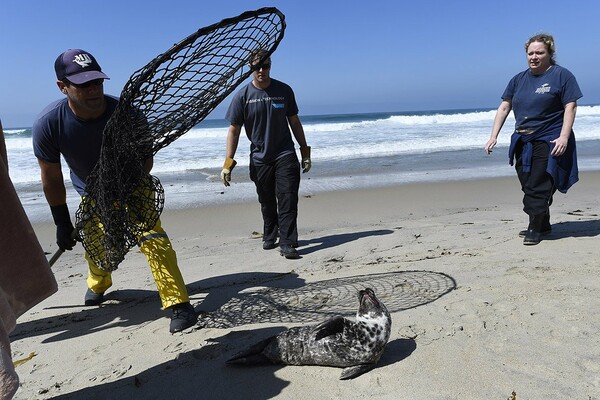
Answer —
(159, 103)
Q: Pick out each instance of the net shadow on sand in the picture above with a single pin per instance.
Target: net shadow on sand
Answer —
(317, 301)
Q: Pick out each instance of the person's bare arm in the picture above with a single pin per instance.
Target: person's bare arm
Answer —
(297, 130)
(501, 114)
(233, 138)
(560, 143)
(53, 183)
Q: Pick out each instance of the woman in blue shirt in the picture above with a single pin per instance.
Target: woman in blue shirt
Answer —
(544, 101)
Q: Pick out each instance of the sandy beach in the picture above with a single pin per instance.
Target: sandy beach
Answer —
(476, 314)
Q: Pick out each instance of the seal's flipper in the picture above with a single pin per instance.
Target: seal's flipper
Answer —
(254, 359)
(253, 355)
(357, 370)
(330, 327)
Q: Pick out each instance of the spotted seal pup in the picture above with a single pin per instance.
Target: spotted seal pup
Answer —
(337, 342)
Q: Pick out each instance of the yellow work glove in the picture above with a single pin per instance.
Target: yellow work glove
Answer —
(226, 171)
(305, 153)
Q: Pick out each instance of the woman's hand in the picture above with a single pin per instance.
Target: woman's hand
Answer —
(560, 146)
(490, 145)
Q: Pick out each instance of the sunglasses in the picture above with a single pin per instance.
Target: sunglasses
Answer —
(256, 67)
(95, 82)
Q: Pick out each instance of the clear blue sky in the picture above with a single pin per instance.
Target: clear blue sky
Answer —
(339, 56)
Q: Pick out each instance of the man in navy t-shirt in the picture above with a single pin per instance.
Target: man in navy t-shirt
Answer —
(267, 109)
(73, 127)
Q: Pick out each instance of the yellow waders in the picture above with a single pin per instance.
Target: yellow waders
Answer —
(156, 246)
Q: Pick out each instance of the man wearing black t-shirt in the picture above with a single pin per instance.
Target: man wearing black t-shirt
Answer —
(267, 109)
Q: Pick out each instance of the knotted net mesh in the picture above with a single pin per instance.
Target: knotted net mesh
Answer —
(159, 103)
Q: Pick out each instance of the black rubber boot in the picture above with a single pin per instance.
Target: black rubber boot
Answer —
(545, 229)
(534, 233)
(532, 237)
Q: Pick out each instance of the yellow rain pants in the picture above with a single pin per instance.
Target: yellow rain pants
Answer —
(157, 248)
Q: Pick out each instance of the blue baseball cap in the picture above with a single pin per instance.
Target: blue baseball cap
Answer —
(78, 66)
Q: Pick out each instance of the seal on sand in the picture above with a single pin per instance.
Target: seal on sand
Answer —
(337, 342)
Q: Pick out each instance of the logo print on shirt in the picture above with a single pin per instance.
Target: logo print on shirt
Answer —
(278, 105)
(545, 88)
(83, 60)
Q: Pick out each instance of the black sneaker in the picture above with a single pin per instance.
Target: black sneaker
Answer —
(184, 316)
(288, 252)
(269, 244)
(93, 299)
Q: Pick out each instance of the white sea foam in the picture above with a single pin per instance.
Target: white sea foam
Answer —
(332, 137)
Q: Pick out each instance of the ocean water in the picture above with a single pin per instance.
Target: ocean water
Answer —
(348, 151)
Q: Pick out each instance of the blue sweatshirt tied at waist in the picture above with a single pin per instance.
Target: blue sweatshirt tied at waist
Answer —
(563, 169)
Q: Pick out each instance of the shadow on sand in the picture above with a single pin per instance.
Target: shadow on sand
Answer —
(233, 301)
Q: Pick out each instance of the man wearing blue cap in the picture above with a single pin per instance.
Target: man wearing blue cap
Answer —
(73, 127)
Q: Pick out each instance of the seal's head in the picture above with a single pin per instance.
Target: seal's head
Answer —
(373, 315)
